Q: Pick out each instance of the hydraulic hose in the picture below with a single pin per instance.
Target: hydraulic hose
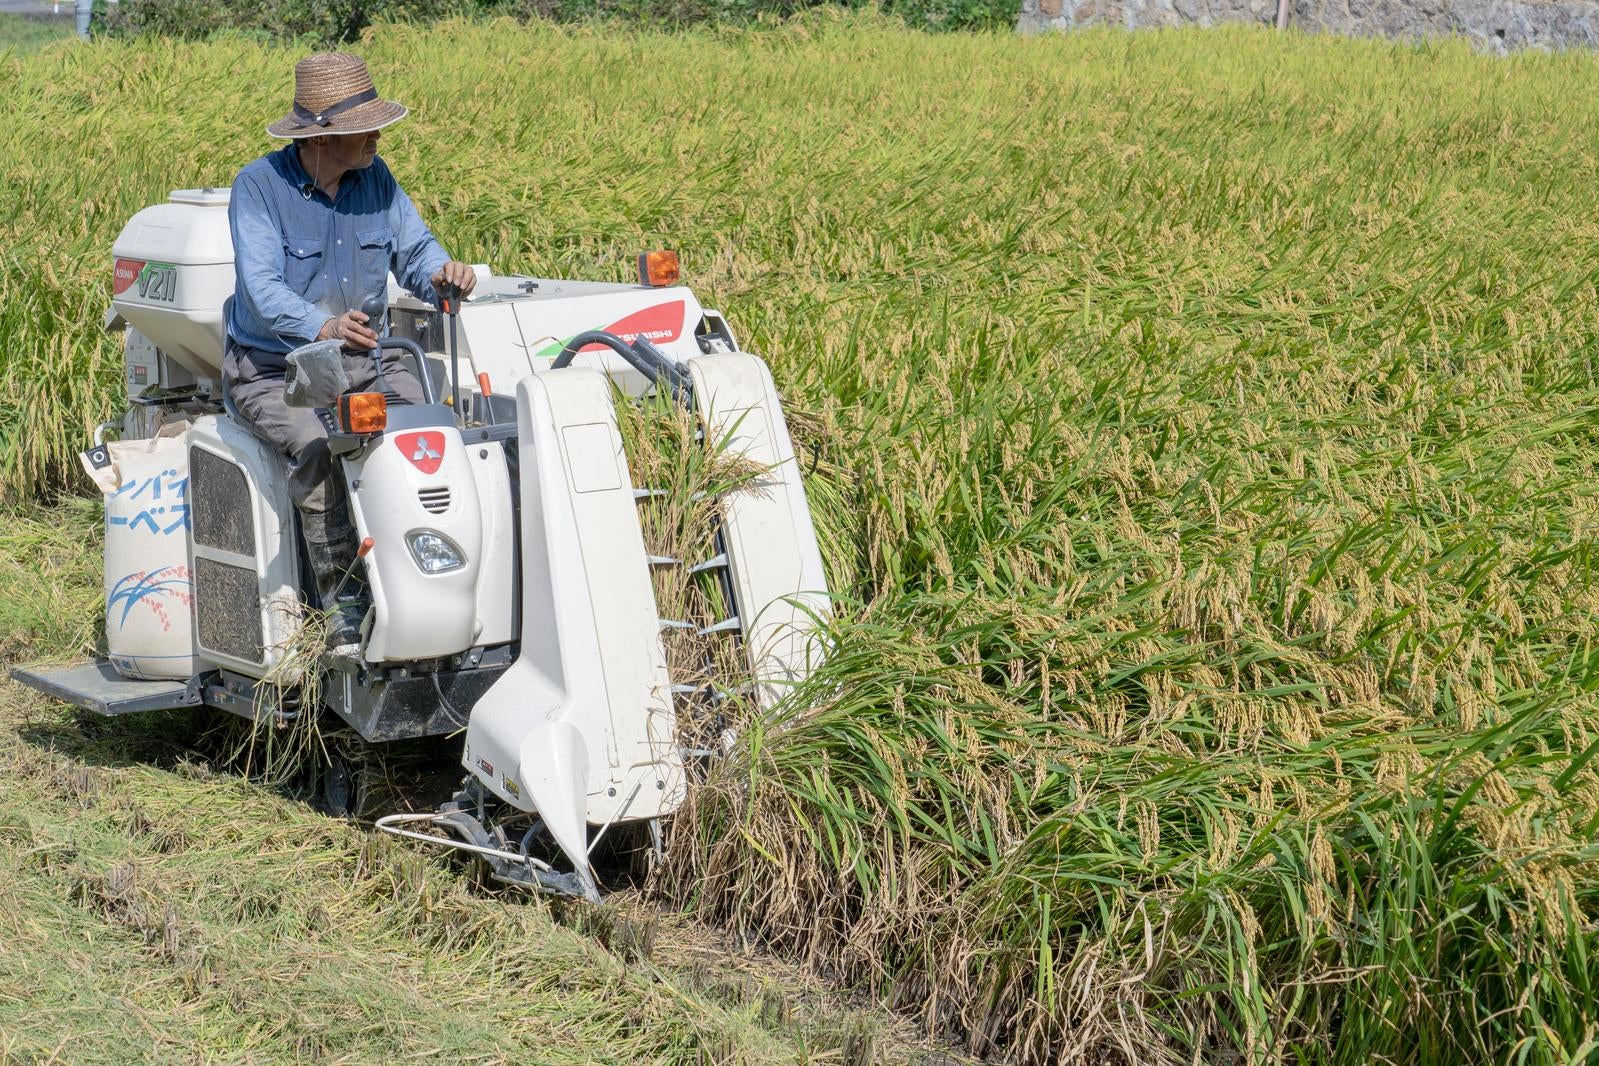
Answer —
(645, 358)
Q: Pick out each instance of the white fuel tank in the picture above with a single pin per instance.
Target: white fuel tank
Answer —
(173, 271)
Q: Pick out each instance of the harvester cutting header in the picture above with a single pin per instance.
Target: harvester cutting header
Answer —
(492, 577)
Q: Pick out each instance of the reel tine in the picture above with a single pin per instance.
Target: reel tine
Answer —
(713, 563)
(726, 625)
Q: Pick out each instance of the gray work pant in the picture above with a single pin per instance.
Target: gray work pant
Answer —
(301, 433)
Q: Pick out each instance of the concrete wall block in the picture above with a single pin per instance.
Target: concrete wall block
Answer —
(1493, 25)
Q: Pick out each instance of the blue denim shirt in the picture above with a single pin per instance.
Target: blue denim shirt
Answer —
(300, 258)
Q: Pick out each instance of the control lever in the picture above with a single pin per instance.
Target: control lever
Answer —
(450, 304)
(374, 307)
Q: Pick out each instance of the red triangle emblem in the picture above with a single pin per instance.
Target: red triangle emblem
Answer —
(425, 450)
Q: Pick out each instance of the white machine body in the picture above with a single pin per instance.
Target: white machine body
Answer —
(772, 555)
(415, 481)
(548, 580)
(581, 727)
(173, 270)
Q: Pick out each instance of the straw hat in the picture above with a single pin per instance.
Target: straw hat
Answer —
(333, 93)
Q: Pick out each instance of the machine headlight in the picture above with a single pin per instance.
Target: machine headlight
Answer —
(434, 552)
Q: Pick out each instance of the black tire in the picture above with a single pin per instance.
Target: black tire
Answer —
(337, 791)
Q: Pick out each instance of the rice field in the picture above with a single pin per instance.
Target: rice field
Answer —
(1202, 429)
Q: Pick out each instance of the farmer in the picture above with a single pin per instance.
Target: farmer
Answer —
(317, 227)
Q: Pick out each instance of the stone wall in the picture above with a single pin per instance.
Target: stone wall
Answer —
(1495, 25)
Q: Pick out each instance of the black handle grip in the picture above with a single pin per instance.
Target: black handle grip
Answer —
(374, 308)
(449, 298)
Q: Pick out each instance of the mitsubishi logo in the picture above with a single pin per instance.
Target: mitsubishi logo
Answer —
(424, 450)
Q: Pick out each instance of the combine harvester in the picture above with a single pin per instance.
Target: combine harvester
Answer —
(512, 596)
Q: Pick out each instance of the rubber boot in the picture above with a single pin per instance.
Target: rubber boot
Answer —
(330, 541)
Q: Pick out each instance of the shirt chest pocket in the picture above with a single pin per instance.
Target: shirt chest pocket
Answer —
(302, 263)
(376, 256)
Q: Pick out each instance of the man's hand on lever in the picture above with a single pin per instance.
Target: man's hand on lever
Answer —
(460, 275)
(350, 329)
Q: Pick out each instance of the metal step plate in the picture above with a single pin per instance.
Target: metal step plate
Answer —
(95, 686)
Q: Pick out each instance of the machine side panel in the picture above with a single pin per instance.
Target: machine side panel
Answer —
(497, 578)
(591, 682)
(642, 746)
(773, 558)
(241, 548)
